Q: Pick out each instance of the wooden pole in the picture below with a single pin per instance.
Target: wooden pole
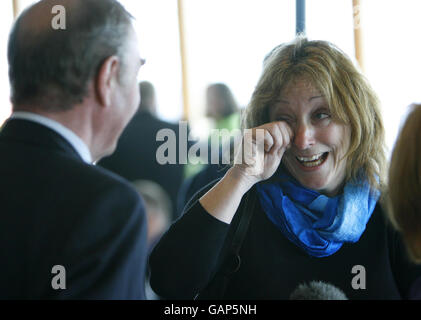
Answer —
(184, 69)
(358, 41)
(16, 8)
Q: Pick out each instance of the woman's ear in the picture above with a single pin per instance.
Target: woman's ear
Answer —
(106, 80)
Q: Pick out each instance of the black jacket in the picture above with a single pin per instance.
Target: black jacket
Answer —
(57, 210)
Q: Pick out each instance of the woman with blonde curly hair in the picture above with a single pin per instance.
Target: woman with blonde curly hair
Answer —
(306, 207)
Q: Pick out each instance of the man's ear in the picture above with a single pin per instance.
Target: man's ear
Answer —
(106, 79)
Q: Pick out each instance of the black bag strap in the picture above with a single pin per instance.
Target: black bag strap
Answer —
(230, 254)
(244, 222)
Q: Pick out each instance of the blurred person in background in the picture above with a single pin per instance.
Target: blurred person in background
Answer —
(222, 107)
(158, 209)
(223, 110)
(404, 186)
(158, 212)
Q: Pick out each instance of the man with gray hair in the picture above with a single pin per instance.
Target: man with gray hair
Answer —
(70, 229)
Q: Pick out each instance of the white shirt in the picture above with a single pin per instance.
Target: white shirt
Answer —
(76, 142)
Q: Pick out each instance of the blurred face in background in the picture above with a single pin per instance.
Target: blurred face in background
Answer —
(214, 104)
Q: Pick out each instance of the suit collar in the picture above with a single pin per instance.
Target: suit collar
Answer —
(35, 134)
(77, 143)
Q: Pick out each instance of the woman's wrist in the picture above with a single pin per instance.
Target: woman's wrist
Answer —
(223, 200)
(240, 179)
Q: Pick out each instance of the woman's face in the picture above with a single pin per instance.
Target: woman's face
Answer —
(319, 142)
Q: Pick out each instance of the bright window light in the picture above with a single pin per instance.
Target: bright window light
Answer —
(227, 41)
(392, 49)
(157, 28)
(331, 20)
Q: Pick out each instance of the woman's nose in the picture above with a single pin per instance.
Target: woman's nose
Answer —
(304, 136)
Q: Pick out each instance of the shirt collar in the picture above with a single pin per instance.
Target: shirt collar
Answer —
(76, 142)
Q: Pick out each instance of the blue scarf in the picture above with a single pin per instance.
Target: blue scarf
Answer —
(316, 223)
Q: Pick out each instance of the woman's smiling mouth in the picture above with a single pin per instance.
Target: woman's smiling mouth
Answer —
(313, 161)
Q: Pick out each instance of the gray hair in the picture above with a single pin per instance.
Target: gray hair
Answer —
(52, 68)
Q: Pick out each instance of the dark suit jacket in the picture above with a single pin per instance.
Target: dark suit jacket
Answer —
(56, 209)
(135, 156)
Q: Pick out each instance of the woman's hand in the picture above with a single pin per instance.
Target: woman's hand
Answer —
(258, 158)
(262, 151)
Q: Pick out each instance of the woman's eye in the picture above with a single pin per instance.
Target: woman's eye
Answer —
(322, 115)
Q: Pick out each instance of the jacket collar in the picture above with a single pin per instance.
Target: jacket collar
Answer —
(35, 134)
